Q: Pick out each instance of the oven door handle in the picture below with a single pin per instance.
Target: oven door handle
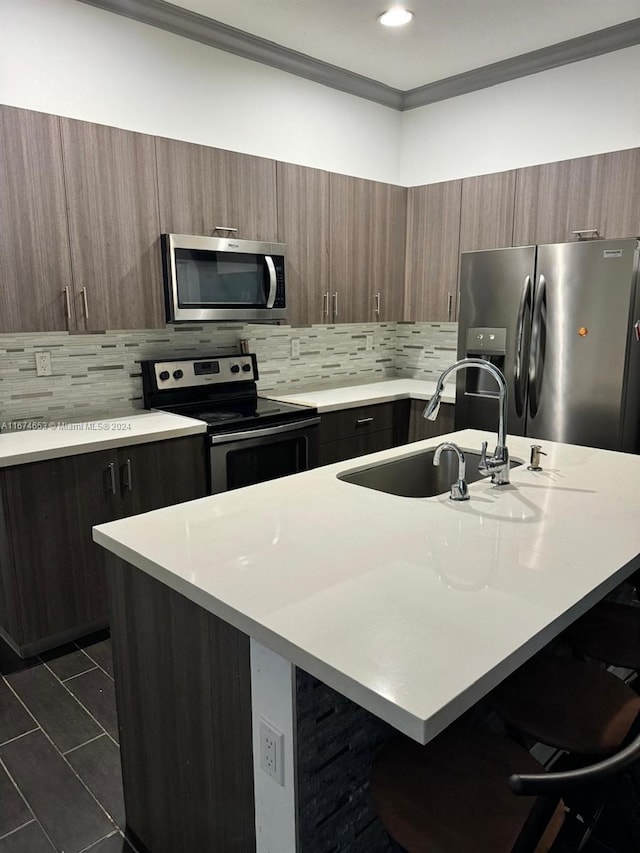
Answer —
(271, 298)
(229, 437)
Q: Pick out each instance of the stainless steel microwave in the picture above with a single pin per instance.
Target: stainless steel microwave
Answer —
(213, 278)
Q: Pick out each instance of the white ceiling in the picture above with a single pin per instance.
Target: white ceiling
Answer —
(447, 37)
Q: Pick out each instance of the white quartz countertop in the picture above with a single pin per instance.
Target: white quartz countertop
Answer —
(69, 439)
(331, 399)
(412, 607)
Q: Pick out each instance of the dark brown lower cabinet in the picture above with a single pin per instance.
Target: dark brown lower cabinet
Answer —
(348, 433)
(364, 429)
(52, 577)
(419, 428)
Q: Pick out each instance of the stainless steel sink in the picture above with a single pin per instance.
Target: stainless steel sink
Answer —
(415, 476)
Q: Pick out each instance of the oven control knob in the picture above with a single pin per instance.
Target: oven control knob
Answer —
(235, 368)
(163, 375)
(246, 367)
(178, 374)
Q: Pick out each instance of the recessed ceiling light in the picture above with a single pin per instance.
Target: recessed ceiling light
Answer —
(396, 16)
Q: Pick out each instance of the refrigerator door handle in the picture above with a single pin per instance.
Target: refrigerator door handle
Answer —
(521, 356)
(536, 336)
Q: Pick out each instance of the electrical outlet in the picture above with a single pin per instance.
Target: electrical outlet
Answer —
(295, 347)
(368, 342)
(272, 751)
(43, 363)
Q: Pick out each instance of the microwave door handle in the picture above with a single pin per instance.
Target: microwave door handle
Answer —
(271, 298)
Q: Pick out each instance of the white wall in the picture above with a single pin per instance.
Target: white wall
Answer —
(63, 57)
(588, 107)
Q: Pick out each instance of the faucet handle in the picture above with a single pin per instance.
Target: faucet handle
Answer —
(483, 456)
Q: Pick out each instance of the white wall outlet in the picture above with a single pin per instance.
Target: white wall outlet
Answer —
(272, 751)
(43, 364)
(295, 347)
(368, 342)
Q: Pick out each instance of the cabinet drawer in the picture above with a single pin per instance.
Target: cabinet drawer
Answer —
(360, 445)
(362, 420)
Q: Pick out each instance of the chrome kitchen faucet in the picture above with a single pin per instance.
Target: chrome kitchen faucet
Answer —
(459, 490)
(498, 464)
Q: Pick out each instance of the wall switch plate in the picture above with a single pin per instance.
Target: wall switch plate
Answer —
(295, 347)
(43, 363)
(272, 751)
(368, 342)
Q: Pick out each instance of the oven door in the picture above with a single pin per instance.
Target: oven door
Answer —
(245, 458)
(212, 279)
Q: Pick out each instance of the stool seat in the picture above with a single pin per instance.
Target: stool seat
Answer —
(452, 795)
(609, 632)
(568, 704)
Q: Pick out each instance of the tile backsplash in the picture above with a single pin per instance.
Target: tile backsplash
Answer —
(98, 375)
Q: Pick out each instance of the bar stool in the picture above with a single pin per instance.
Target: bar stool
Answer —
(609, 632)
(568, 704)
(452, 795)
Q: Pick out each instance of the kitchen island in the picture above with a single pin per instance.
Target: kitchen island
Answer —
(338, 615)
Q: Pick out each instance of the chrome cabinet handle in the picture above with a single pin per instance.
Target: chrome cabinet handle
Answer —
(449, 304)
(223, 228)
(112, 478)
(67, 303)
(326, 304)
(128, 478)
(335, 305)
(377, 300)
(362, 421)
(582, 231)
(85, 303)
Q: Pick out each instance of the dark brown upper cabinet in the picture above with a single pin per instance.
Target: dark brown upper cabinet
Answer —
(114, 227)
(303, 224)
(556, 199)
(486, 215)
(202, 189)
(367, 223)
(34, 237)
(433, 248)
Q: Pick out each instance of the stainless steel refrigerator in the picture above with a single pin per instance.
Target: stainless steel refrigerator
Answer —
(563, 324)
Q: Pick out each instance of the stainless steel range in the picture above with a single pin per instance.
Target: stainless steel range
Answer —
(251, 439)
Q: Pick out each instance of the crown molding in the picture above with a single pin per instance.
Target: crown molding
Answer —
(563, 53)
(191, 25)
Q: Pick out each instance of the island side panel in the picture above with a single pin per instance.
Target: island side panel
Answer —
(183, 690)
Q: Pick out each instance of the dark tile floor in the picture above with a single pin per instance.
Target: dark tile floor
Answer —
(60, 778)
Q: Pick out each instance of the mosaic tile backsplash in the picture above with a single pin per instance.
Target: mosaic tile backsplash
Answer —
(98, 375)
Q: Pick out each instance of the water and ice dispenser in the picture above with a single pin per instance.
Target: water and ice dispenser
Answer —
(489, 345)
